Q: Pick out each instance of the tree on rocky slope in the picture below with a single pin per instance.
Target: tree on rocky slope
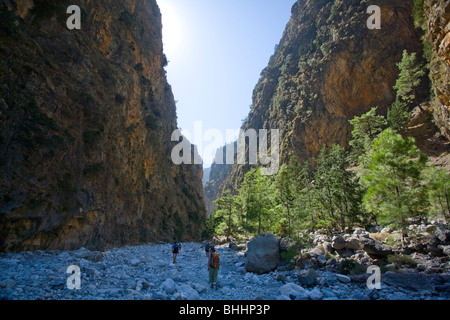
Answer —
(439, 192)
(394, 180)
(365, 129)
(409, 79)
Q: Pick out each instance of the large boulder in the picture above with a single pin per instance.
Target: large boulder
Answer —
(410, 281)
(169, 286)
(353, 243)
(186, 292)
(308, 278)
(293, 291)
(443, 235)
(339, 243)
(263, 254)
(376, 249)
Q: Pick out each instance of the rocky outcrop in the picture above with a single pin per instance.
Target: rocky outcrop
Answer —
(86, 120)
(436, 22)
(329, 67)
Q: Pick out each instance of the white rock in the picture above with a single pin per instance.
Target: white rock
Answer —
(255, 279)
(343, 278)
(169, 286)
(135, 262)
(179, 296)
(226, 290)
(315, 294)
(292, 290)
(189, 292)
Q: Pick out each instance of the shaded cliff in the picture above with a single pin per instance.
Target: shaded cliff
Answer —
(329, 67)
(434, 17)
(217, 175)
(87, 116)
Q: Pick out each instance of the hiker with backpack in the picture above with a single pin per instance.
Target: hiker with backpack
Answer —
(176, 248)
(213, 267)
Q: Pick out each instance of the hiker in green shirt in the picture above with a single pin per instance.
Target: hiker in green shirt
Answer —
(213, 267)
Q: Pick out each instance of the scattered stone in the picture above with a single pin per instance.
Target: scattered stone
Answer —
(293, 291)
(411, 281)
(343, 278)
(338, 243)
(188, 292)
(376, 249)
(135, 262)
(446, 250)
(315, 294)
(443, 235)
(308, 277)
(42, 275)
(169, 286)
(353, 243)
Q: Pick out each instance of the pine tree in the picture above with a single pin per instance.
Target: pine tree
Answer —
(337, 189)
(398, 115)
(394, 179)
(365, 129)
(438, 183)
(409, 79)
(226, 205)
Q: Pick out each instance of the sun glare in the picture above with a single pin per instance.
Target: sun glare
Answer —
(172, 27)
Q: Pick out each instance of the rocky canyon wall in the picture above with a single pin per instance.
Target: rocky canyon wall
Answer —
(436, 23)
(329, 67)
(86, 120)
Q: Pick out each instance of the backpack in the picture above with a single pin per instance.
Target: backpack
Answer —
(175, 248)
(214, 260)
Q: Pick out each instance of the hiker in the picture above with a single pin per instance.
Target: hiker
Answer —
(176, 248)
(208, 247)
(213, 267)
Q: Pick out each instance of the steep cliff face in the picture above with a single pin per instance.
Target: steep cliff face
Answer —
(217, 175)
(329, 67)
(86, 120)
(436, 22)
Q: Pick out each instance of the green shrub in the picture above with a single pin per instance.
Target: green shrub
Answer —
(289, 254)
(418, 13)
(399, 260)
(350, 266)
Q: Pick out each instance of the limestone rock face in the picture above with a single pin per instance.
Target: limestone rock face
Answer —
(86, 122)
(329, 67)
(437, 26)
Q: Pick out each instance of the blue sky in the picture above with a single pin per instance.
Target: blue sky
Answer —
(216, 52)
